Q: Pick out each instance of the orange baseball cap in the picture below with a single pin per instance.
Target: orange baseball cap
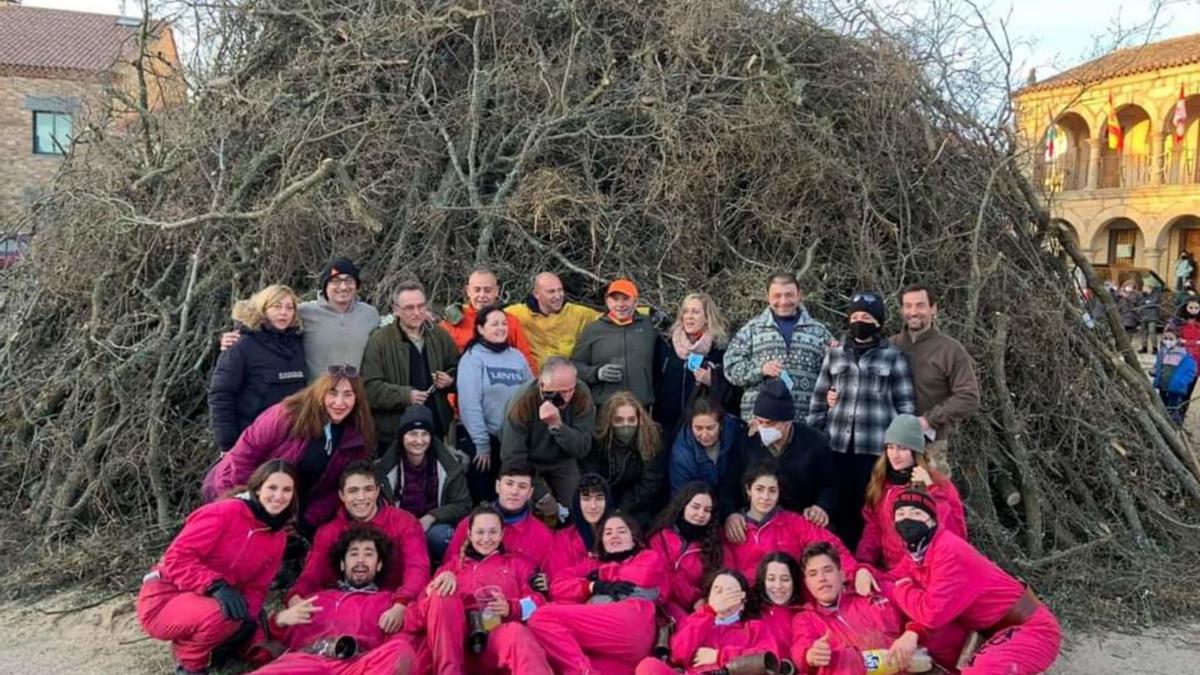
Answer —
(623, 286)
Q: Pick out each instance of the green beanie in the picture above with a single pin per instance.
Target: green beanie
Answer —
(905, 431)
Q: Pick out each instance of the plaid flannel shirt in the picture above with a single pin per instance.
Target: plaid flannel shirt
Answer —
(871, 389)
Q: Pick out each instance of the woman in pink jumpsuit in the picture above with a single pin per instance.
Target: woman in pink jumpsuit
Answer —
(899, 468)
(440, 615)
(770, 528)
(945, 583)
(688, 537)
(778, 594)
(209, 586)
(720, 631)
(602, 620)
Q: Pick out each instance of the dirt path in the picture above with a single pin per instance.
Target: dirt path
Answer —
(106, 640)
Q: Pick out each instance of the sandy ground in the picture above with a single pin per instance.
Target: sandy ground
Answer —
(106, 640)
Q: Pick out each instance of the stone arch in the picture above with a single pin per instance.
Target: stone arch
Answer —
(1066, 168)
(1130, 164)
(1119, 241)
(1181, 161)
(1180, 233)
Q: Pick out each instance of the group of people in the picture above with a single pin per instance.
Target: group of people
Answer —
(548, 488)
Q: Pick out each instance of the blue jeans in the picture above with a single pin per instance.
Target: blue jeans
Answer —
(437, 538)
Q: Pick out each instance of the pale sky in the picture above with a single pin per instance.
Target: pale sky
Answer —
(1061, 33)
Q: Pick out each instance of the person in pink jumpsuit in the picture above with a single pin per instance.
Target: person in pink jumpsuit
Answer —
(481, 568)
(779, 596)
(720, 631)
(577, 541)
(836, 627)
(524, 534)
(407, 569)
(205, 592)
(353, 608)
(770, 528)
(946, 588)
(903, 465)
(602, 618)
(688, 537)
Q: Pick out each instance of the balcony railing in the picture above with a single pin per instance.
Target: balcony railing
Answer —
(1068, 171)
(1124, 170)
(1181, 169)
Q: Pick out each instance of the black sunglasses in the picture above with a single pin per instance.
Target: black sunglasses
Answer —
(347, 371)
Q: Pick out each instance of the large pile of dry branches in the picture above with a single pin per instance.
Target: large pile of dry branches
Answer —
(691, 145)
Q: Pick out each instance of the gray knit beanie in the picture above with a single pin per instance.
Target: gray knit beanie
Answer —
(905, 431)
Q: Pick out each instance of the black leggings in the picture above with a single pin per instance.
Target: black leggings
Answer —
(853, 474)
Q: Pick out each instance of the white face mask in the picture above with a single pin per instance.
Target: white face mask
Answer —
(769, 435)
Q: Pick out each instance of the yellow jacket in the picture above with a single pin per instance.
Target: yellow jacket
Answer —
(554, 334)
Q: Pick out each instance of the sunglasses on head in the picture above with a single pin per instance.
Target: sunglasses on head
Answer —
(864, 297)
(347, 371)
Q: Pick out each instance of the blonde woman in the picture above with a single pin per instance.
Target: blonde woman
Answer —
(691, 364)
(262, 368)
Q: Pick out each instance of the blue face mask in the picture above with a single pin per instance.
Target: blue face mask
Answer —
(729, 620)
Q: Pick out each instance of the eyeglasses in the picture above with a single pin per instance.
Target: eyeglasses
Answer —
(347, 371)
(344, 281)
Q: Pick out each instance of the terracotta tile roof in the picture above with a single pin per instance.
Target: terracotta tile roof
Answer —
(1180, 51)
(52, 41)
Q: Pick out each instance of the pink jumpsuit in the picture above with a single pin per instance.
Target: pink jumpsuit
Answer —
(685, 566)
(407, 570)
(221, 541)
(604, 639)
(353, 613)
(778, 620)
(527, 536)
(782, 531)
(880, 546)
(955, 586)
(700, 630)
(442, 620)
(855, 625)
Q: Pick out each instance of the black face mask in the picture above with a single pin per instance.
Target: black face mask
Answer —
(916, 535)
(554, 397)
(899, 476)
(863, 330)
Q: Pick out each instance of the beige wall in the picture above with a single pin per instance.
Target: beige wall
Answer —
(1160, 205)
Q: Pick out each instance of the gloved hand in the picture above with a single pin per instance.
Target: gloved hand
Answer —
(539, 583)
(610, 372)
(616, 589)
(233, 605)
(594, 575)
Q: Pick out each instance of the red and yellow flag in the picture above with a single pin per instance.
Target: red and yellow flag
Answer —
(1116, 139)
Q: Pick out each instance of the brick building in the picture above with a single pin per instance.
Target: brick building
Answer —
(55, 69)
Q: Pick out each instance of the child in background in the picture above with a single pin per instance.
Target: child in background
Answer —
(1173, 375)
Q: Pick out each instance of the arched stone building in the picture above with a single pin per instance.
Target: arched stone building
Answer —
(1139, 204)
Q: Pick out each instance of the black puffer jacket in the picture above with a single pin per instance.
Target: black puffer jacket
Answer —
(676, 388)
(260, 370)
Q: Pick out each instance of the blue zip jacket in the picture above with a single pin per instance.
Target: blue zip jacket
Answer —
(690, 462)
(1174, 378)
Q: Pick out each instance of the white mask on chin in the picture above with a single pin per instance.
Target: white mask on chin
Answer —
(769, 435)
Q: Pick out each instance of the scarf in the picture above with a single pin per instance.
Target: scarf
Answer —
(689, 532)
(497, 347)
(683, 346)
(512, 517)
(274, 523)
(898, 477)
(619, 556)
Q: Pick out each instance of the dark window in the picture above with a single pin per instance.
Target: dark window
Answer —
(51, 133)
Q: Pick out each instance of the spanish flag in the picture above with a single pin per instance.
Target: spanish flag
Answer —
(1116, 139)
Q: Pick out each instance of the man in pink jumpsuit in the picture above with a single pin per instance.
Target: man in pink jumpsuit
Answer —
(349, 613)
